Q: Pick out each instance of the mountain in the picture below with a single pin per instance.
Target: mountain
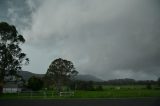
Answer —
(88, 78)
(26, 75)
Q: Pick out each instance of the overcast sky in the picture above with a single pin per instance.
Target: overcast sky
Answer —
(106, 38)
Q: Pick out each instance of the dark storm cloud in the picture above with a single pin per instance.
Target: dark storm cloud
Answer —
(17, 12)
(106, 38)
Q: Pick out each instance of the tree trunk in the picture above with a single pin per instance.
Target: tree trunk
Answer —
(1, 86)
(59, 87)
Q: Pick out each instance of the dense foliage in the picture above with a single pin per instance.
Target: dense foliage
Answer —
(35, 83)
(60, 72)
(11, 56)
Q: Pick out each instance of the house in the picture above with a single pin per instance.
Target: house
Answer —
(13, 84)
(11, 87)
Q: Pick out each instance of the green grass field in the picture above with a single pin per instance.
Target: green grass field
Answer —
(136, 91)
(117, 94)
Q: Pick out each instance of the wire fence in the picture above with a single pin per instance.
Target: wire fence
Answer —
(39, 94)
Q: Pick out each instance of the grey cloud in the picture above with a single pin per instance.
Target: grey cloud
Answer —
(106, 38)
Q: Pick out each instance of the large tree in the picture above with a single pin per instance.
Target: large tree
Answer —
(11, 56)
(60, 71)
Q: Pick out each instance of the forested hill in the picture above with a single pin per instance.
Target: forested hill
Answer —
(26, 75)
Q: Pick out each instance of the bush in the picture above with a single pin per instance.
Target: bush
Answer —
(99, 88)
(35, 83)
(149, 86)
(82, 85)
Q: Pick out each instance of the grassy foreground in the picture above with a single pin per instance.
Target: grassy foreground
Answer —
(117, 94)
(134, 93)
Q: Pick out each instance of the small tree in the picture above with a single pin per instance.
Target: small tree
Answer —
(99, 88)
(149, 84)
(35, 83)
(11, 56)
(61, 71)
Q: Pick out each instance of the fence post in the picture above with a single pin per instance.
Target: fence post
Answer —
(52, 93)
(31, 94)
(44, 94)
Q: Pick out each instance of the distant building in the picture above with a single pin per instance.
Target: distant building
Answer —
(12, 84)
(11, 87)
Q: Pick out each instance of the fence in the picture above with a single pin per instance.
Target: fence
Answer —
(39, 94)
(66, 94)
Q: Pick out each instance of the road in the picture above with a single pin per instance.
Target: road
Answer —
(83, 102)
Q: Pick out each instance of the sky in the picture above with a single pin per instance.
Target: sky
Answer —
(110, 39)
